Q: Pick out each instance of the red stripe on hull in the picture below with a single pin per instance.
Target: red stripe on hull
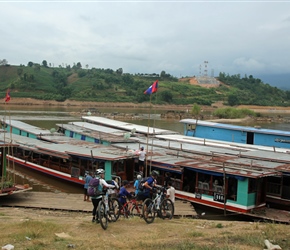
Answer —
(47, 171)
(213, 204)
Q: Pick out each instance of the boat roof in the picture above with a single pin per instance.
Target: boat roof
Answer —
(235, 127)
(126, 126)
(177, 164)
(97, 131)
(254, 157)
(71, 147)
(28, 128)
(219, 143)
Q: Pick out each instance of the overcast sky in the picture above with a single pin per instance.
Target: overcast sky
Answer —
(235, 37)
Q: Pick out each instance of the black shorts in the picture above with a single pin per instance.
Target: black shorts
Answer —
(141, 163)
(85, 191)
(142, 196)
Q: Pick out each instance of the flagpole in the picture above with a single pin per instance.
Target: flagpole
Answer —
(153, 134)
(146, 166)
(152, 89)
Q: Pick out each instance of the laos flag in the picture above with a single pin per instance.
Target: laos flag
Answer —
(152, 89)
(7, 98)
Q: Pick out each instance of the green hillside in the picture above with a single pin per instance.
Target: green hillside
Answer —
(107, 85)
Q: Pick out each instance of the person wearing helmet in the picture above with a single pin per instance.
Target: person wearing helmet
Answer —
(96, 199)
(148, 186)
(141, 160)
(136, 183)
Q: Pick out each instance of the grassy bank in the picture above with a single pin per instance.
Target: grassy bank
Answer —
(43, 229)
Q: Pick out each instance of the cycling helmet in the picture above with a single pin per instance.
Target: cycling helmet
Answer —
(139, 177)
(100, 171)
(154, 173)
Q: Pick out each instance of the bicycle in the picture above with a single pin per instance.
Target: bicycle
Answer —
(108, 210)
(160, 205)
(131, 208)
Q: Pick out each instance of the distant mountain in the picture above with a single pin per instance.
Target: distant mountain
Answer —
(281, 81)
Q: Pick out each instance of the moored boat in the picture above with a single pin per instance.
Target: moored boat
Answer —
(244, 173)
(7, 183)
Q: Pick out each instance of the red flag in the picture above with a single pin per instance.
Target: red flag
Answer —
(152, 89)
(7, 98)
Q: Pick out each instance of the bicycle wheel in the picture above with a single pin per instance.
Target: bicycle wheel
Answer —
(136, 210)
(148, 210)
(114, 209)
(102, 215)
(166, 209)
(125, 210)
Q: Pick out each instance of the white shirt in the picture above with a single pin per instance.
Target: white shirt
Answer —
(103, 184)
(142, 155)
(171, 194)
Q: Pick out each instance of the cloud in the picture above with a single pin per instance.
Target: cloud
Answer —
(235, 37)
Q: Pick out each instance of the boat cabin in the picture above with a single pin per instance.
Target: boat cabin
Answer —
(234, 133)
(215, 184)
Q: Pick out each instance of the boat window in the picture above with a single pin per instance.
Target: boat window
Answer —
(118, 167)
(274, 185)
(191, 126)
(252, 185)
(75, 172)
(232, 188)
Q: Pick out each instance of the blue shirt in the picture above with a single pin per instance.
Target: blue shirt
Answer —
(136, 184)
(150, 182)
(87, 181)
(123, 194)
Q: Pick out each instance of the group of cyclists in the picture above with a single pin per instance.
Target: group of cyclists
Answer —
(123, 193)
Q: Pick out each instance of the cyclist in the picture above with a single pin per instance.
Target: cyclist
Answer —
(148, 187)
(123, 194)
(136, 183)
(100, 173)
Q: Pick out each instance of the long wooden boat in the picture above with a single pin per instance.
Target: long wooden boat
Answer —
(7, 183)
(234, 178)
(69, 159)
(277, 188)
(129, 127)
(25, 129)
(235, 133)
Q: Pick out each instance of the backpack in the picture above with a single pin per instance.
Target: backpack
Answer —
(94, 189)
(141, 183)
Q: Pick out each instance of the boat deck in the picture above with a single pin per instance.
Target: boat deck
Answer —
(73, 203)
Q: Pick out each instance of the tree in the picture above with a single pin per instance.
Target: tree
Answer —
(30, 64)
(195, 111)
(44, 63)
(3, 62)
(233, 100)
(79, 66)
(166, 96)
(19, 71)
(119, 71)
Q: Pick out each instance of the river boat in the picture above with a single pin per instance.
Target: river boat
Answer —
(69, 159)
(25, 129)
(234, 177)
(7, 183)
(95, 133)
(125, 126)
(278, 186)
(235, 133)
